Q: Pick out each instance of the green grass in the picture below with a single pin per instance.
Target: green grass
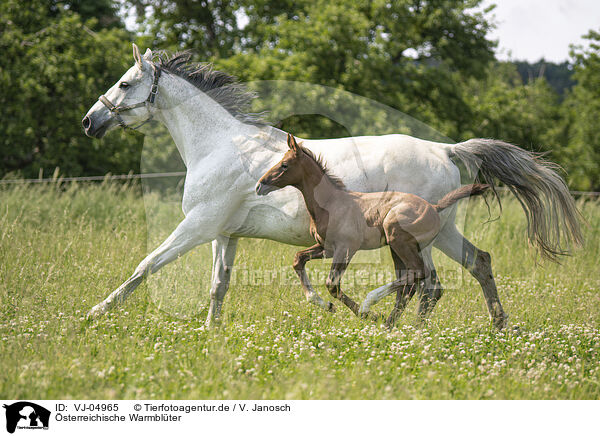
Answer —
(64, 250)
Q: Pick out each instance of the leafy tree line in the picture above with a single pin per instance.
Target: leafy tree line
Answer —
(558, 75)
(56, 58)
(429, 59)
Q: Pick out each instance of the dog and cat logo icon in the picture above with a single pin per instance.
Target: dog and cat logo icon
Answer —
(26, 415)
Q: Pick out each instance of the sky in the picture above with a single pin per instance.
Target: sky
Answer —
(532, 29)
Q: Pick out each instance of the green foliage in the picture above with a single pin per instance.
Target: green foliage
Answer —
(429, 59)
(410, 55)
(503, 107)
(209, 28)
(52, 68)
(582, 112)
(558, 75)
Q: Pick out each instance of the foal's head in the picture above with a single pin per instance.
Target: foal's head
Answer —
(288, 171)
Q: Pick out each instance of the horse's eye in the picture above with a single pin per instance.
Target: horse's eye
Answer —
(284, 165)
(124, 85)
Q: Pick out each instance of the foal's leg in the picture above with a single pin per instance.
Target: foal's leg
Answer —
(479, 264)
(406, 253)
(341, 259)
(314, 252)
(432, 289)
(406, 290)
(410, 269)
(223, 249)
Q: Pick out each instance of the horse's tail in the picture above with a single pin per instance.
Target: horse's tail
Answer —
(464, 191)
(552, 217)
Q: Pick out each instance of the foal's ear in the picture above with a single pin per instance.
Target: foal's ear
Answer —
(292, 144)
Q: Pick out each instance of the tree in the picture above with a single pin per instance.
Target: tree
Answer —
(409, 54)
(208, 27)
(503, 107)
(582, 112)
(559, 76)
(52, 69)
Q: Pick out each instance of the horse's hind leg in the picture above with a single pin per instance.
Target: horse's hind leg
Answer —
(479, 264)
(341, 259)
(300, 259)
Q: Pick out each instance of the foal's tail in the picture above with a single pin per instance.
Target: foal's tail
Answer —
(552, 218)
(464, 191)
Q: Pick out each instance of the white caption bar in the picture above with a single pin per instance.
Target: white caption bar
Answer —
(119, 417)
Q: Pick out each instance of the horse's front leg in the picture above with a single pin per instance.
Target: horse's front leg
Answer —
(223, 249)
(341, 259)
(300, 259)
(195, 229)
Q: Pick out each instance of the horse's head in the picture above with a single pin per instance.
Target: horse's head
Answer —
(288, 171)
(127, 101)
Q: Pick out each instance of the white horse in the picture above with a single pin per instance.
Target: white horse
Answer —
(226, 150)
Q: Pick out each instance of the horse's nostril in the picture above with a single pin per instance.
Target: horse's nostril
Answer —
(86, 122)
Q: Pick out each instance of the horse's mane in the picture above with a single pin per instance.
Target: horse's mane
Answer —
(221, 87)
(336, 181)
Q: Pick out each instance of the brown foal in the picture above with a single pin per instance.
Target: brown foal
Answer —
(343, 222)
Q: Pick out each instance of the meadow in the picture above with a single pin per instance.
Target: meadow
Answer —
(64, 248)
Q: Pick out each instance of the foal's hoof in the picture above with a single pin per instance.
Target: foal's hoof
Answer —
(331, 307)
(501, 322)
(378, 317)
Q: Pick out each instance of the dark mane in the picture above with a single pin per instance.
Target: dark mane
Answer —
(221, 87)
(336, 181)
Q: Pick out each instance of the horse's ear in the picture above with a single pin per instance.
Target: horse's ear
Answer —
(148, 55)
(137, 56)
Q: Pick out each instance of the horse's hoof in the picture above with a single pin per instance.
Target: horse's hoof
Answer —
(95, 313)
(375, 317)
(331, 307)
(213, 323)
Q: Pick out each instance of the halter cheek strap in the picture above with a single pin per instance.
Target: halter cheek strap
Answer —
(117, 110)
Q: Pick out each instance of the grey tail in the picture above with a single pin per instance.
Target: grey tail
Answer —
(553, 221)
(464, 191)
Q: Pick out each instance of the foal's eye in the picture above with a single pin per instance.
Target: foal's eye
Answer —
(124, 85)
(284, 165)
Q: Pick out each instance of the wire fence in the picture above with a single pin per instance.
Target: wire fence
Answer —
(107, 177)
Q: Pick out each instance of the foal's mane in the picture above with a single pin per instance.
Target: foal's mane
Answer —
(336, 181)
(220, 86)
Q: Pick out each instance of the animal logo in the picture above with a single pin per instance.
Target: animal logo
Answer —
(24, 414)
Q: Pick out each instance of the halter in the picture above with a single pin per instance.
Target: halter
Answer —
(116, 110)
